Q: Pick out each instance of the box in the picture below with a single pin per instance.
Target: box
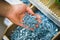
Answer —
(12, 27)
(35, 5)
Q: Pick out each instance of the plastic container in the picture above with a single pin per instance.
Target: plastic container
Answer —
(45, 9)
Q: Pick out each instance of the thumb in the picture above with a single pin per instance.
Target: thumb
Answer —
(29, 10)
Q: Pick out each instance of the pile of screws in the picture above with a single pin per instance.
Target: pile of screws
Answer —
(45, 31)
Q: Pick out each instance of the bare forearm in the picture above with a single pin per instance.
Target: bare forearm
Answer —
(4, 8)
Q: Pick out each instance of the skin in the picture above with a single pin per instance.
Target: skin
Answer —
(16, 12)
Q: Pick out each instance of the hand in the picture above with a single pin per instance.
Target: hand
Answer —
(17, 12)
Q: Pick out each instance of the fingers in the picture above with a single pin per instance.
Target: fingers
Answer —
(32, 29)
(22, 25)
(39, 20)
(26, 27)
(37, 16)
(37, 25)
(29, 10)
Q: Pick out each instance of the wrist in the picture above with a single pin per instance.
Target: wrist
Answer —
(4, 8)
